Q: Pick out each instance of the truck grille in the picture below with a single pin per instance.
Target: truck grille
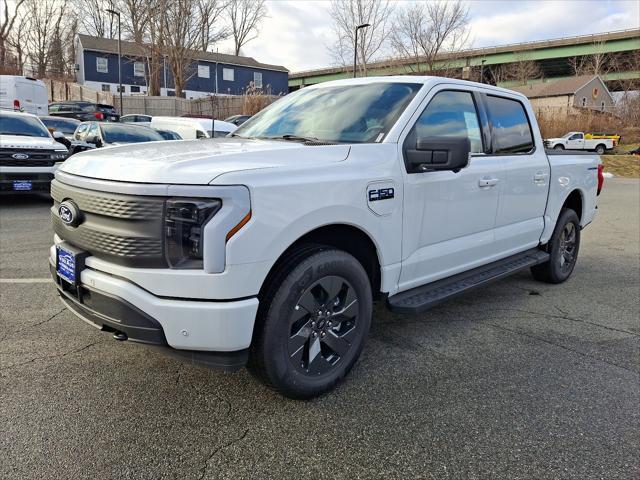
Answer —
(124, 229)
(37, 158)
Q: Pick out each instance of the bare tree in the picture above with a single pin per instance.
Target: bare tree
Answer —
(520, 71)
(7, 21)
(94, 18)
(347, 15)
(44, 22)
(182, 36)
(210, 14)
(244, 18)
(422, 32)
(135, 18)
(597, 63)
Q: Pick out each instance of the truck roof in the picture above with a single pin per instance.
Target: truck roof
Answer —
(421, 79)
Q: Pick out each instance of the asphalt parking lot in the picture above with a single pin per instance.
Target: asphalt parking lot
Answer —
(517, 380)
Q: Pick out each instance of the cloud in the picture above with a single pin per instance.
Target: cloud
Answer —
(296, 33)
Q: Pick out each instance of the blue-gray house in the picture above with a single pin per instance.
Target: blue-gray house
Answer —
(97, 68)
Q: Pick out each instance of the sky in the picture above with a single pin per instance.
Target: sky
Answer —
(296, 33)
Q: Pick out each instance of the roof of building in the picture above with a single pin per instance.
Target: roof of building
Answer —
(554, 88)
(108, 45)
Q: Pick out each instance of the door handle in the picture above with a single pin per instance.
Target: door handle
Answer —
(488, 182)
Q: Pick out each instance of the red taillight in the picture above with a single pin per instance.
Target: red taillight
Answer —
(16, 104)
(600, 177)
(99, 115)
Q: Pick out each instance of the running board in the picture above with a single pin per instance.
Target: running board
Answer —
(422, 298)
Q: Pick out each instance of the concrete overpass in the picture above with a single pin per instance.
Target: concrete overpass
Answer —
(551, 56)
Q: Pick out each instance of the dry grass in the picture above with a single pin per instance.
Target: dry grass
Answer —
(622, 165)
(555, 123)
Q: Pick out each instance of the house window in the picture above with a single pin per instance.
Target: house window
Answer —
(227, 74)
(138, 69)
(102, 64)
(135, 89)
(584, 101)
(203, 71)
(257, 79)
(602, 106)
(106, 87)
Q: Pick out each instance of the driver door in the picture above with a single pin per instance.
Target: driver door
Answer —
(449, 217)
(576, 142)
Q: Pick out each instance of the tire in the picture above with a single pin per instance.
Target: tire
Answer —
(563, 248)
(558, 147)
(312, 324)
(600, 149)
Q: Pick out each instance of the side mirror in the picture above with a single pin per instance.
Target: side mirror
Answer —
(57, 135)
(439, 153)
(94, 140)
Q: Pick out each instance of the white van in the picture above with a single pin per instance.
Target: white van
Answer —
(23, 94)
(192, 128)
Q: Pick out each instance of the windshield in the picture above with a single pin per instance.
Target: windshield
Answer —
(25, 126)
(342, 114)
(568, 135)
(113, 133)
(66, 126)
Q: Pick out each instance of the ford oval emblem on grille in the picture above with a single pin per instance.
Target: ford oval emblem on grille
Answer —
(69, 213)
(20, 156)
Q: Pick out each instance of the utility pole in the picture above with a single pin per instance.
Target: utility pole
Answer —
(355, 47)
(114, 12)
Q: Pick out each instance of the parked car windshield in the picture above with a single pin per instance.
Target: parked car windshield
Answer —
(22, 125)
(114, 133)
(60, 124)
(342, 114)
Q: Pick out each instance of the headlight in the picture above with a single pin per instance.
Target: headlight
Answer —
(184, 222)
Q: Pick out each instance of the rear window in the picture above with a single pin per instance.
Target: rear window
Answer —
(24, 126)
(114, 133)
(106, 109)
(511, 126)
(61, 125)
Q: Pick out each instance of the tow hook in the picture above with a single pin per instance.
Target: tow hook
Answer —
(120, 336)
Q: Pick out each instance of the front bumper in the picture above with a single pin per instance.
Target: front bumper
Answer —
(40, 178)
(210, 332)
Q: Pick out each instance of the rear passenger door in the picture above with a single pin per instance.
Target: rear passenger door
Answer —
(449, 216)
(516, 143)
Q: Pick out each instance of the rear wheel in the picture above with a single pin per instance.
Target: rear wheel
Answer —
(313, 324)
(563, 249)
(600, 149)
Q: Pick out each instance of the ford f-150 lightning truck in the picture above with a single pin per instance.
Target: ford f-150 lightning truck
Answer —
(268, 248)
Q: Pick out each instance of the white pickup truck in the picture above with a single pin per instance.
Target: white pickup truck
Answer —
(577, 141)
(29, 154)
(268, 247)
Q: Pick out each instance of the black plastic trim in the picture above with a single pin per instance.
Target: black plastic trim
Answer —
(108, 313)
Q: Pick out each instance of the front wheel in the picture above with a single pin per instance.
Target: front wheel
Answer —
(313, 324)
(558, 147)
(563, 250)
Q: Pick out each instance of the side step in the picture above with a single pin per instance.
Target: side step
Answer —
(422, 298)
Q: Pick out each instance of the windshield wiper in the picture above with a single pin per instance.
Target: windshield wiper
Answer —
(298, 138)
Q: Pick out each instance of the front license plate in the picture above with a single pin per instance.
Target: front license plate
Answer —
(66, 265)
(22, 185)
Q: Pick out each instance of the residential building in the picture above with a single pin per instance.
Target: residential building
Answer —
(583, 91)
(210, 72)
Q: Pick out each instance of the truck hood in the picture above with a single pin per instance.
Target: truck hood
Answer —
(196, 162)
(31, 143)
(555, 140)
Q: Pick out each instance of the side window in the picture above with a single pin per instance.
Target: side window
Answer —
(450, 114)
(577, 136)
(81, 131)
(511, 128)
(54, 108)
(93, 130)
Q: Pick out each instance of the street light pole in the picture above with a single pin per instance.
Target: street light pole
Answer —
(355, 47)
(114, 12)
